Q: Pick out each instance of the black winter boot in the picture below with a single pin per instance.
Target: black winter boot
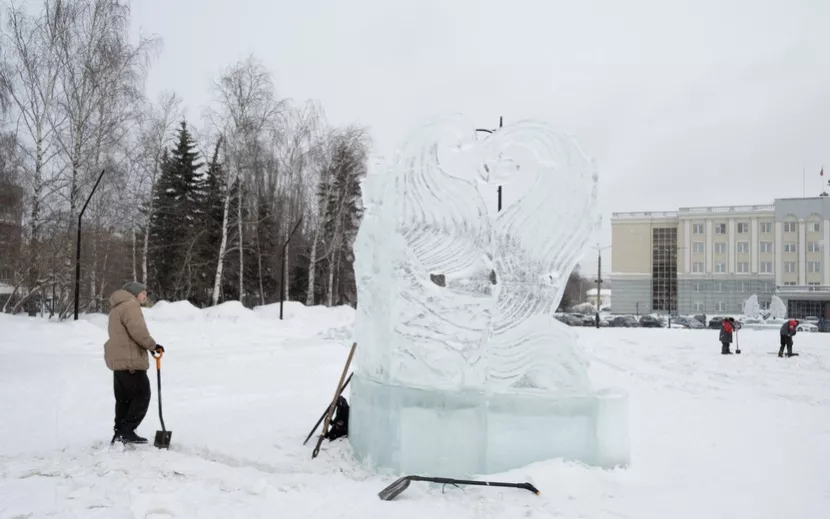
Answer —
(131, 437)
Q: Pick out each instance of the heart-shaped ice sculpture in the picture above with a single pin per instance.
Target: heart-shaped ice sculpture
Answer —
(456, 301)
(454, 296)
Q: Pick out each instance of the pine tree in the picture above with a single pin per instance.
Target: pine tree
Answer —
(179, 199)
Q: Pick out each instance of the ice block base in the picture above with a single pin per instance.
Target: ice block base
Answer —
(406, 430)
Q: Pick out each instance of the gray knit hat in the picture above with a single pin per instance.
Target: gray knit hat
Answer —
(134, 287)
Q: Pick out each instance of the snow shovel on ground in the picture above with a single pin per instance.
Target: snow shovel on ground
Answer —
(162, 440)
(395, 489)
(737, 344)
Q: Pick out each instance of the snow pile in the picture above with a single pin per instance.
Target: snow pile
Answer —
(179, 311)
(232, 311)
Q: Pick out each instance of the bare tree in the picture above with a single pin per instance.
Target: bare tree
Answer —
(246, 110)
(100, 74)
(29, 74)
(155, 134)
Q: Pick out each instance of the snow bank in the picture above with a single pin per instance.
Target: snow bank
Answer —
(232, 311)
(334, 317)
(177, 311)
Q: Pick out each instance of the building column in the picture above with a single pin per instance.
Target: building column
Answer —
(779, 255)
(753, 246)
(826, 266)
(730, 246)
(687, 233)
(710, 243)
(802, 252)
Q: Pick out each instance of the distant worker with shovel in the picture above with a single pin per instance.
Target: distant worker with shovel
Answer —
(126, 354)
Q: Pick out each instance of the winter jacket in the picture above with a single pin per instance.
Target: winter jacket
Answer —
(129, 341)
(726, 332)
(788, 328)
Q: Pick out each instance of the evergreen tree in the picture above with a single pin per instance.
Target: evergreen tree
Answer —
(179, 199)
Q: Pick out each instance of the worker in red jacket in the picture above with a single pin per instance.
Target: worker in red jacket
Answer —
(727, 326)
(788, 331)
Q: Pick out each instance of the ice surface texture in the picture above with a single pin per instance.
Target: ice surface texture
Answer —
(456, 300)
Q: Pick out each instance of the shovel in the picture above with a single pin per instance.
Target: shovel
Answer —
(395, 489)
(162, 440)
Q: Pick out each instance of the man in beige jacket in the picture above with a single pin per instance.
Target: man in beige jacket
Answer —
(127, 355)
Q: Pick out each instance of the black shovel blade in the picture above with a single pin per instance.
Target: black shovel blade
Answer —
(395, 489)
(163, 439)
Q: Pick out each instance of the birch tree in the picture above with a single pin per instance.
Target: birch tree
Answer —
(246, 109)
(29, 76)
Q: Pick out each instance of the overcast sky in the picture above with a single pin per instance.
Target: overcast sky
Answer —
(682, 103)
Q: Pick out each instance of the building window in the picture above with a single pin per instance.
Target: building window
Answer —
(766, 227)
(743, 267)
(721, 306)
(790, 247)
(813, 246)
(720, 228)
(789, 267)
(813, 266)
(766, 247)
(697, 228)
(743, 247)
(814, 286)
(720, 248)
(697, 267)
(789, 283)
(697, 247)
(743, 228)
(664, 269)
(815, 226)
(766, 267)
(697, 286)
(697, 306)
(720, 268)
(719, 286)
(765, 287)
(790, 226)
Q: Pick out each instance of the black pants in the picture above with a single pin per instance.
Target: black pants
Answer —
(132, 398)
(786, 341)
(724, 347)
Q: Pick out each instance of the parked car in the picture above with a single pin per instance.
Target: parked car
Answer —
(625, 321)
(807, 327)
(688, 322)
(569, 319)
(650, 321)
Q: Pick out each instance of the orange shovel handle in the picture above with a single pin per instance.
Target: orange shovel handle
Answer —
(158, 355)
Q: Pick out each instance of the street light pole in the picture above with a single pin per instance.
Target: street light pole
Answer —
(501, 122)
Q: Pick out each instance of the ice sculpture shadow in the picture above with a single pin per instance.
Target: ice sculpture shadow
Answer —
(461, 367)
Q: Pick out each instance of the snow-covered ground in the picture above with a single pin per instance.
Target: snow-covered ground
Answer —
(712, 436)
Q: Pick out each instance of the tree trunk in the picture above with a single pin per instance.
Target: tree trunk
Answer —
(312, 268)
(146, 242)
(223, 244)
(34, 258)
(241, 247)
(259, 262)
(135, 278)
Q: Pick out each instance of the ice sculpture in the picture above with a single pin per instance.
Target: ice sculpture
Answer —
(777, 308)
(461, 367)
(752, 308)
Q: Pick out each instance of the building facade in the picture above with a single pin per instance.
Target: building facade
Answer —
(11, 230)
(710, 260)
